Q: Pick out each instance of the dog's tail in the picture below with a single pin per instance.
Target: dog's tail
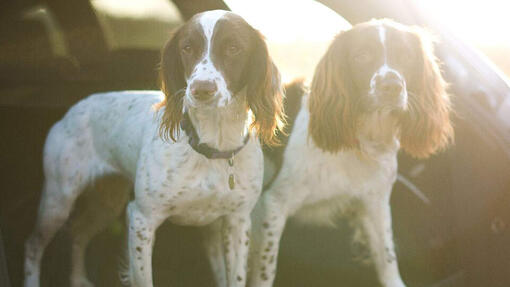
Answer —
(294, 93)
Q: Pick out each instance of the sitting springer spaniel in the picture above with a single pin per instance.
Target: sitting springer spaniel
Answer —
(378, 88)
(192, 153)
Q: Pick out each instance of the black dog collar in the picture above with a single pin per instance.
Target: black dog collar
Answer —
(204, 149)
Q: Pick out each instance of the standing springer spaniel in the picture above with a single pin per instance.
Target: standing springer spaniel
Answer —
(377, 88)
(214, 71)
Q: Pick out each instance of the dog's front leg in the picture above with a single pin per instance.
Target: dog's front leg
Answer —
(236, 238)
(142, 227)
(376, 222)
(213, 241)
(269, 219)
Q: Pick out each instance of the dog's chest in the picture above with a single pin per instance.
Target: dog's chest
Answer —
(193, 190)
(209, 195)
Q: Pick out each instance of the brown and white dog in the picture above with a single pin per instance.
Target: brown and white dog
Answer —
(221, 94)
(377, 89)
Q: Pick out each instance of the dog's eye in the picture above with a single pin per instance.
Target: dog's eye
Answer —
(233, 50)
(363, 57)
(187, 49)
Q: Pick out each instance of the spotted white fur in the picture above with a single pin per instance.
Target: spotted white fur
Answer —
(315, 186)
(116, 134)
(110, 142)
(205, 69)
(385, 69)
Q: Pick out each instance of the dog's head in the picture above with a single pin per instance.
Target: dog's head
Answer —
(380, 66)
(209, 61)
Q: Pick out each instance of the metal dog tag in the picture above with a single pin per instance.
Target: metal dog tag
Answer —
(231, 181)
(231, 178)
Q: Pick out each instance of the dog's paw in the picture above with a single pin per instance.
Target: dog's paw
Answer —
(395, 283)
(81, 282)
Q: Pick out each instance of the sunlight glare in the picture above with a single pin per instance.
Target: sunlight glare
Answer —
(290, 20)
(298, 32)
(478, 22)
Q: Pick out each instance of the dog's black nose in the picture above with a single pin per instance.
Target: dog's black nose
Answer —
(390, 84)
(203, 90)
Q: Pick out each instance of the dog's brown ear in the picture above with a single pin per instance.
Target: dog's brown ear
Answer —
(264, 92)
(332, 107)
(426, 126)
(173, 85)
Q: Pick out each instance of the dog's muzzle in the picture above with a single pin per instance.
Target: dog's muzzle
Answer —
(203, 90)
(391, 89)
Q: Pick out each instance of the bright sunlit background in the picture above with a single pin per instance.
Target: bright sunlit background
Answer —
(480, 22)
(299, 31)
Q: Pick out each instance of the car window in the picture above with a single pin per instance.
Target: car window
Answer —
(298, 32)
(143, 24)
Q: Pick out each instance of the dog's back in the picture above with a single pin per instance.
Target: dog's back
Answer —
(92, 130)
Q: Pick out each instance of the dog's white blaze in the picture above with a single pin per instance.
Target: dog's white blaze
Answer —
(382, 38)
(208, 21)
(382, 34)
(384, 69)
(205, 69)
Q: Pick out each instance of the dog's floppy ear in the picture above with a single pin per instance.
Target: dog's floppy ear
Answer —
(173, 84)
(264, 92)
(426, 126)
(332, 107)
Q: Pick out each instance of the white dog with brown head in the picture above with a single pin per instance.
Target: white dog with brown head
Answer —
(377, 89)
(221, 94)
